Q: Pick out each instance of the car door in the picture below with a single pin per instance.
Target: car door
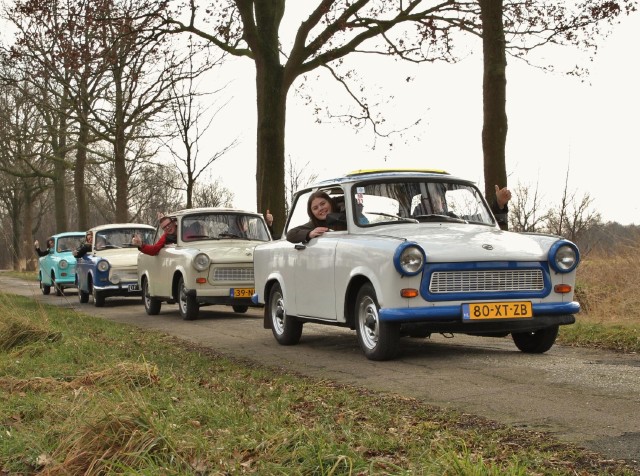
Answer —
(315, 276)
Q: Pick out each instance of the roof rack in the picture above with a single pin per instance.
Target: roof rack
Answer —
(377, 171)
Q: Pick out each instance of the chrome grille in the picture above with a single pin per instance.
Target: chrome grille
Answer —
(233, 274)
(124, 274)
(486, 281)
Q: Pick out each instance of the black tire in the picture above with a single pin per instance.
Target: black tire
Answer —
(98, 297)
(286, 329)
(537, 342)
(240, 309)
(188, 305)
(83, 296)
(56, 286)
(151, 305)
(378, 340)
(46, 289)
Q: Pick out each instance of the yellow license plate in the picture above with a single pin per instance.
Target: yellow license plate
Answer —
(497, 310)
(242, 292)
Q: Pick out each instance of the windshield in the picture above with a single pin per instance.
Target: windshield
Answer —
(214, 226)
(120, 238)
(68, 243)
(415, 201)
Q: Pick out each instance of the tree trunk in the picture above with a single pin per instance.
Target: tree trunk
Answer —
(494, 93)
(27, 235)
(60, 198)
(81, 160)
(272, 106)
(271, 92)
(119, 153)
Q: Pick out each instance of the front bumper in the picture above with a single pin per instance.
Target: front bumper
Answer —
(449, 318)
(208, 297)
(128, 288)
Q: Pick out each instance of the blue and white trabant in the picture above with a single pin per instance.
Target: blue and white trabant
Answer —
(420, 253)
(111, 267)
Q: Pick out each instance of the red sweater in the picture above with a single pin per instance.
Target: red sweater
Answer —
(155, 248)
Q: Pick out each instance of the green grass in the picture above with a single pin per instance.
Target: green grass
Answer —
(82, 395)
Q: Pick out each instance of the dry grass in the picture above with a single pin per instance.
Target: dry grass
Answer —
(607, 287)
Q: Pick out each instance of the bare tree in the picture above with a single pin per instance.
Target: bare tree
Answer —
(331, 31)
(525, 209)
(297, 177)
(573, 216)
(190, 116)
(511, 27)
(212, 194)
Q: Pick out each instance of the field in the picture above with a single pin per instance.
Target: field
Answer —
(607, 292)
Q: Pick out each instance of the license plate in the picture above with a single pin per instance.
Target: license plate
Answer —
(241, 292)
(133, 287)
(497, 310)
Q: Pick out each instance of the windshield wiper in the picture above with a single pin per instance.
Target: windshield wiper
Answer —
(437, 217)
(232, 235)
(396, 217)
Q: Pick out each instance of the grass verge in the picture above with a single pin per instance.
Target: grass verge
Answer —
(82, 395)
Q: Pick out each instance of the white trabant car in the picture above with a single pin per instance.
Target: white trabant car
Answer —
(111, 267)
(420, 253)
(210, 263)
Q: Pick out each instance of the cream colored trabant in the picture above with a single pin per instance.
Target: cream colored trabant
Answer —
(419, 252)
(211, 261)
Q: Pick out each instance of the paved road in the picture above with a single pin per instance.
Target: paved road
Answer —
(583, 396)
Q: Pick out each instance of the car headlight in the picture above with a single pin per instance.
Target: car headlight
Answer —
(114, 278)
(103, 266)
(201, 261)
(409, 259)
(63, 264)
(564, 256)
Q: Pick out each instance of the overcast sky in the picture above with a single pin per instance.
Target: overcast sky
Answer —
(556, 123)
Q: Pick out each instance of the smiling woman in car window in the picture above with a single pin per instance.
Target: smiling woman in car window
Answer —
(319, 205)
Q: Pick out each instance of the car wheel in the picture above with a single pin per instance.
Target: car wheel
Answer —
(536, 342)
(240, 309)
(151, 305)
(45, 288)
(83, 296)
(56, 286)
(378, 340)
(98, 297)
(286, 329)
(188, 304)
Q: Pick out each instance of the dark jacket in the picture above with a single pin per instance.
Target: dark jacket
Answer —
(40, 252)
(502, 215)
(300, 234)
(82, 250)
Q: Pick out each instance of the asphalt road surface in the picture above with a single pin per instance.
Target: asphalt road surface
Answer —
(583, 396)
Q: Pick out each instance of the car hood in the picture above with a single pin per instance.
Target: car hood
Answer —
(119, 258)
(453, 242)
(229, 250)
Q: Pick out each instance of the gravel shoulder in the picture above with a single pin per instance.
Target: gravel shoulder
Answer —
(588, 397)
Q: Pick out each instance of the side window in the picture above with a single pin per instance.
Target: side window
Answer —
(299, 214)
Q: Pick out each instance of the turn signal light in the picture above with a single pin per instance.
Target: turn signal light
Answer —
(562, 288)
(201, 280)
(409, 293)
